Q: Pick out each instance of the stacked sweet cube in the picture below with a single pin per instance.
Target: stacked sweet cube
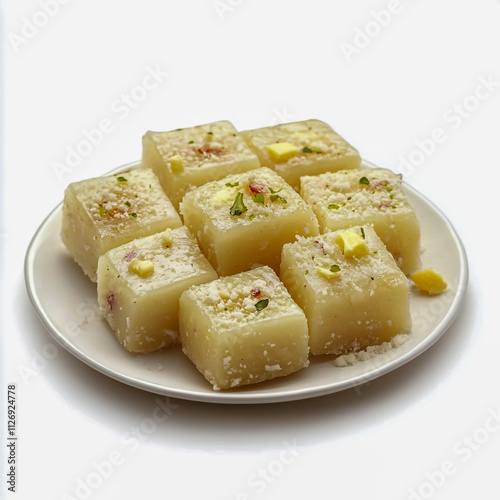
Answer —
(243, 329)
(189, 157)
(295, 149)
(139, 285)
(350, 288)
(252, 250)
(245, 219)
(360, 196)
(105, 212)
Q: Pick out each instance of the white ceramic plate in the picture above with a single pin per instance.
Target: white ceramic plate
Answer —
(66, 303)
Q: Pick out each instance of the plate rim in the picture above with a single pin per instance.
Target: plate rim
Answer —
(230, 397)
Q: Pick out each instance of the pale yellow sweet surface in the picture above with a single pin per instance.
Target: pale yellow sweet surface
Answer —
(142, 307)
(105, 212)
(366, 303)
(189, 157)
(231, 342)
(235, 243)
(318, 149)
(339, 200)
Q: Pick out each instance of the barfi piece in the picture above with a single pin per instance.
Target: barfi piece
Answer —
(243, 329)
(139, 285)
(105, 212)
(367, 196)
(307, 147)
(243, 220)
(351, 290)
(190, 157)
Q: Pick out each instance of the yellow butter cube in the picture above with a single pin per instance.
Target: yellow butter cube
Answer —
(176, 164)
(429, 281)
(282, 151)
(167, 238)
(352, 243)
(143, 268)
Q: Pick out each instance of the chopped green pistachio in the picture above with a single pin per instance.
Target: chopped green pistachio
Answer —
(262, 304)
(238, 207)
(128, 204)
(232, 184)
(102, 211)
(275, 197)
(364, 180)
(258, 198)
(305, 149)
(306, 271)
(121, 179)
(273, 191)
(332, 206)
(133, 214)
(327, 273)
(334, 268)
(191, 142)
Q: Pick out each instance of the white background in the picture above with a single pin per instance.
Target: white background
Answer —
(256, 63)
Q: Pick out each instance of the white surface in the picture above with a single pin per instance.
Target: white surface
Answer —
(421, 76)
(168, 372)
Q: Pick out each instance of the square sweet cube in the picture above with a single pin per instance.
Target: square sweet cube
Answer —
(308, 147)
(139, 285)
(243, 329)
(367, 196)
(102, 213)
(189, 157)
(350, 288)
(244, 220)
